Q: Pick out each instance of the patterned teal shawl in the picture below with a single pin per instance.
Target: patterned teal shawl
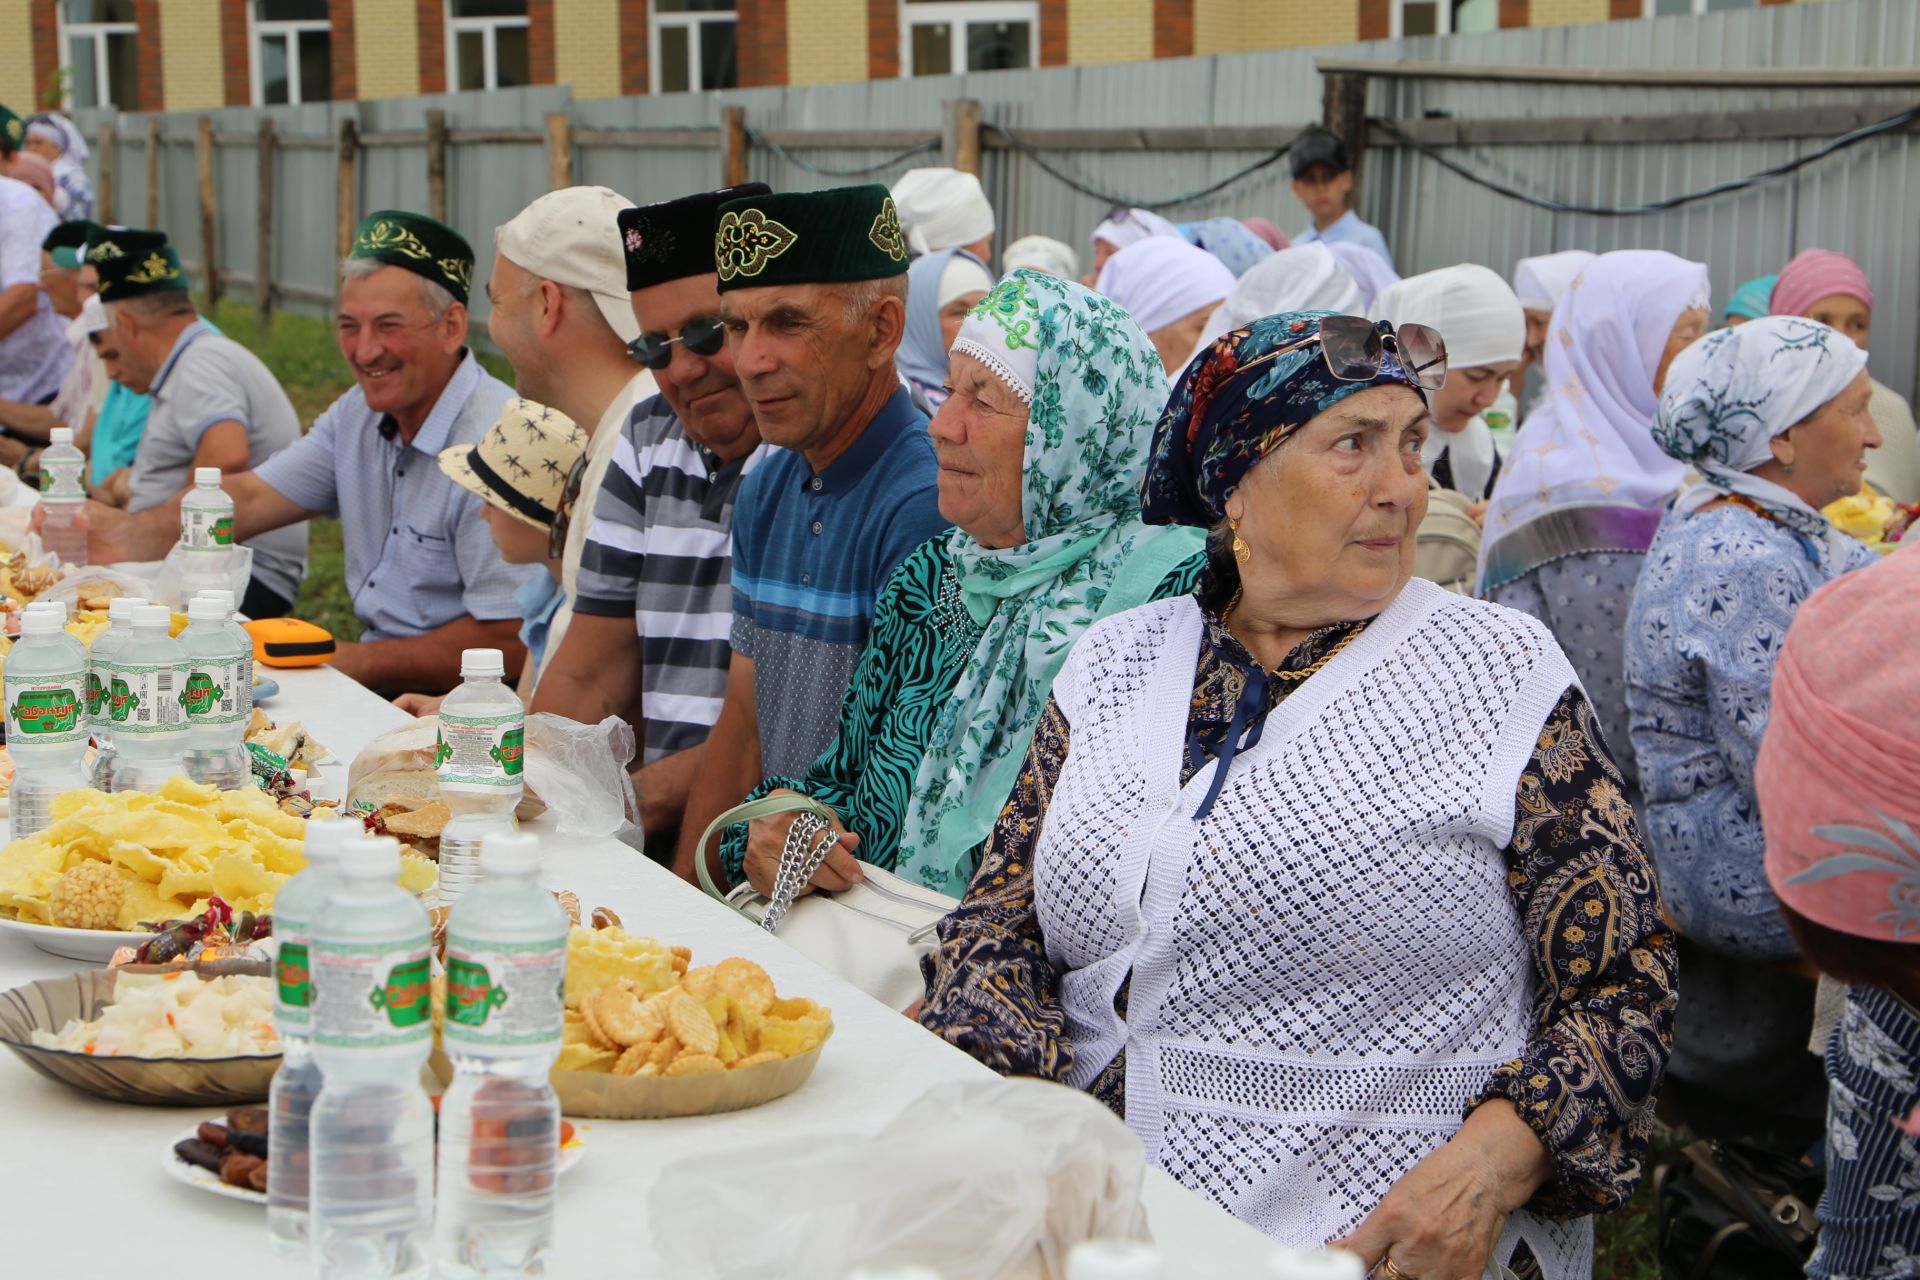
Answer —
(1095, 387)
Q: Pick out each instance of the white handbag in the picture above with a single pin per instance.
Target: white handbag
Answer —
(873, 934)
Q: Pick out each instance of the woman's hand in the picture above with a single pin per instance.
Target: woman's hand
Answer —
(420, 704)
(767, 837)
(1442, 1219)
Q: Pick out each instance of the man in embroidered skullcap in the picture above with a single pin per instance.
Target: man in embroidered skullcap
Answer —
(813, 293)
(654, 597)
(33, 354)
(944, 209)
(426, 579)
(84, 387)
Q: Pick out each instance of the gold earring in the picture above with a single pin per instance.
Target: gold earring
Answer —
(1241, 551)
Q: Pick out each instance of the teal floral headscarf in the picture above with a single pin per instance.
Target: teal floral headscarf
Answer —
(1096, 387)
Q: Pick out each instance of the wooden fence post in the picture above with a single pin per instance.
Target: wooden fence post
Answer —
(960, 135)
(209, 209)
(153, 171)
(437, 164)
(107, 165)
(733, 137)
(1344, 111)
(263, 228)
(559, 151)
(347, 217)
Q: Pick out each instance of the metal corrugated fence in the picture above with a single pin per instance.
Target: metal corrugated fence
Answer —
(1862, 202)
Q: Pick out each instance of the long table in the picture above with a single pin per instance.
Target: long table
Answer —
(81, 1187)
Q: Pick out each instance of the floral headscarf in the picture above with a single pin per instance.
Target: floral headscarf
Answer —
(1227, 413)
(1096, 386)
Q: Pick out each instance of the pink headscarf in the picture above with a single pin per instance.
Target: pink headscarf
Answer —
(1815, 274)
(1838, 777)
(33, 169)
(1266, 229)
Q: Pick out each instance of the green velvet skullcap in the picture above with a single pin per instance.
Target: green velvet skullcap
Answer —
(814, 237)
(414, 242)
(67, 243)
(131, 262)
(13, 127)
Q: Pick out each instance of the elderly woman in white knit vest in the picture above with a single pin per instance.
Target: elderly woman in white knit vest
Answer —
(1322, 876)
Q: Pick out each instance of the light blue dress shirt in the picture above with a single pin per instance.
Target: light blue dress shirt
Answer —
(1349, 227)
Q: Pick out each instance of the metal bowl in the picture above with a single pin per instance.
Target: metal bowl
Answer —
(153, 1082)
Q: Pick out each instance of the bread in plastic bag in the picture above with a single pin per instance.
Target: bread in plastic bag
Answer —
(978, 1179)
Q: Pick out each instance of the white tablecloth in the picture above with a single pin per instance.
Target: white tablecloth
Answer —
(81, 1188)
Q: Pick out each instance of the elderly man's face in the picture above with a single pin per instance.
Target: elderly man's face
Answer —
(1330, 516)
(805, 356)
(398, 352)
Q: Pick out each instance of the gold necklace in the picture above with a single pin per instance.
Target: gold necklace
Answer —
(1226, 621)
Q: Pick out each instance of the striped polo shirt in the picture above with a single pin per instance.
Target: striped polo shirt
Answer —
(810, 554)
(659, 550)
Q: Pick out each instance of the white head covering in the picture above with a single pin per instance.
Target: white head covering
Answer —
(1591, 440)
(1539, 282)
(93, 314)
(1373, 273)
(1306, 277)
(1040, 253)
(1162, 279)
(941, 209)
(1132, 227)
(963, 274)
(1729, 394)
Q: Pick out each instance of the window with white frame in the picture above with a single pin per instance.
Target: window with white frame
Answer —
(96, 47)
(1442, 17)
(487, 44)
(1666, 8)
(693, 46)
(947, 37)
(292, 52)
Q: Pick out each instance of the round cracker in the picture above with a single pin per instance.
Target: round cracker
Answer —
(745, 983)
(700, 983)
(632, 1060)
(664, 1050)
(757, 1059)
(690, 1023)
(595, 1032)
(694, 1064)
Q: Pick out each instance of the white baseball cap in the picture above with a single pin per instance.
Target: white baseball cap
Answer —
(570, 237)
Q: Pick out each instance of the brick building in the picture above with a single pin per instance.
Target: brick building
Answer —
(182, 55)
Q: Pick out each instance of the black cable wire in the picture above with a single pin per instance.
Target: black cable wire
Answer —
(761, 139)
(1113, 201)
(1862, 134)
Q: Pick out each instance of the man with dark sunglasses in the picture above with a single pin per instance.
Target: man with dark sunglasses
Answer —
(654, 602)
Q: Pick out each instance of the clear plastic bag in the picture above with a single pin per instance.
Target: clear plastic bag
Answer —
(978, 1179)
(87, 580)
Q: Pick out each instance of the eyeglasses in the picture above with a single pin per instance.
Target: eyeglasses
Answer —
(1354, 347)
(563, 511)
(704, 337)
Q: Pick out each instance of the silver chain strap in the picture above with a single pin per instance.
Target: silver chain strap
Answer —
(802, 855)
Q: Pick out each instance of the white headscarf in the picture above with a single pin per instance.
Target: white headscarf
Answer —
(1729, 394)
(1591, 440)
(1540, 281)
(1307, 277)
(1040, 253)
(941, 209)
(1481, 322)
(1132, 227)
(1163, 279)
(1373, 273)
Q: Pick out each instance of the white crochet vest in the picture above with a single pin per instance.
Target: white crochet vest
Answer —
(1330, 965)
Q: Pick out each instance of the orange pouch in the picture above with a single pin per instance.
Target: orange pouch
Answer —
(289, 642)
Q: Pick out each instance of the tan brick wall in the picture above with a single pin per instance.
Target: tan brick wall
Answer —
(826, 41)
(586, 47)
(386, 48)
(1556, 13)
(1240, 26)
(1109, 31)
(16, 56)
(190, 57)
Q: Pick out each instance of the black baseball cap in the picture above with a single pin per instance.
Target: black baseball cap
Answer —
(1318, 145)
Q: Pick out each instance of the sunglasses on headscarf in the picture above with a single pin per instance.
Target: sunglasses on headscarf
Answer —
(1354, 347)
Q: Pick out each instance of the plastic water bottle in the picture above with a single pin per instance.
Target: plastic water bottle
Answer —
(206, 536)
(240, 635)
(45, 689)
(500, 1119)
(479, 759)
(100, 680)
(63, 494)
(217, 698)
(372, 1026)
(1114, 1260)
(297, 1082)
(149, 716)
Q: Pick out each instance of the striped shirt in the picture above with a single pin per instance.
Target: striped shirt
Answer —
(659, 550)
(810, 554)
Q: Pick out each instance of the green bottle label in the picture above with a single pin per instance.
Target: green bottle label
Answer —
(293, 978)
(407, 995)
(39, 712)
(471, 995)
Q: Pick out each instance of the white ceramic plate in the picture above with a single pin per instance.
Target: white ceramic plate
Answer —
(95, 945)
(199, 1179)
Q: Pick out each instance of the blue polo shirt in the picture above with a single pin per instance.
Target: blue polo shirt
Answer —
(810, 554)
(1349, 227)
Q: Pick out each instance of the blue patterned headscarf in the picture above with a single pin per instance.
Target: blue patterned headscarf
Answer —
(1228, 412)
(1227, 240)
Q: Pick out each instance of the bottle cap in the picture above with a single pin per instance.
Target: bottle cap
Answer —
(203, 476)
(370, 858)
(482, 663)
(211, 593)
(48, 606)
(509, 853)
(1114, 1260)
(153, 615)
(120, 608)
(327, 837)
(206, 609)
(42, 622)
(60, 435)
